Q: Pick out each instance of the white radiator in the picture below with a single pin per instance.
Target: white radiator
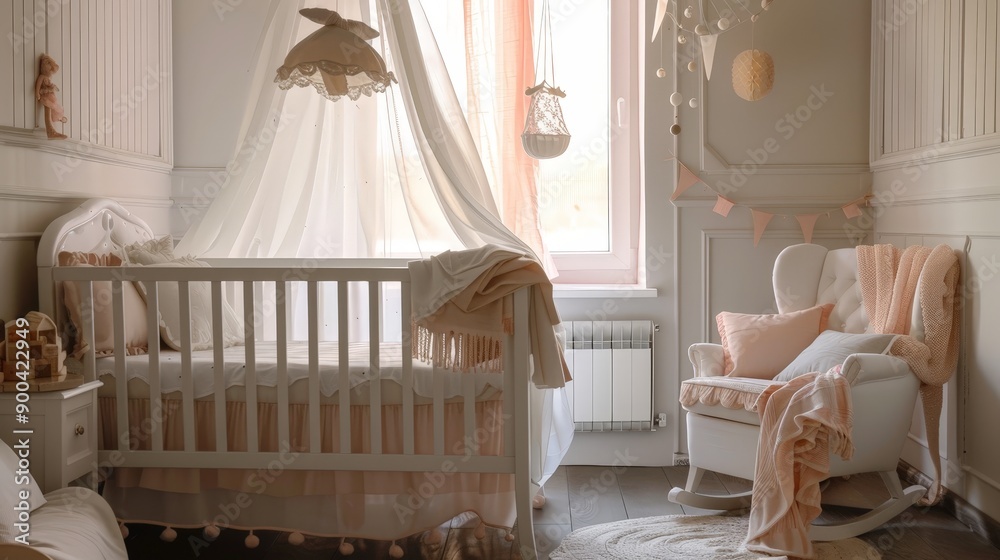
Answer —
(612, 366)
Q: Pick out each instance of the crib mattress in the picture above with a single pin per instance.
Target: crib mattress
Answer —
(266, 369)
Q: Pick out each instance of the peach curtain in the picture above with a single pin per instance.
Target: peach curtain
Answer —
(499, 67)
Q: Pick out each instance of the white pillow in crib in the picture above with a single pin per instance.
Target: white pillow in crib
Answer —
(10, 493)
(168, 298)
(154, 251)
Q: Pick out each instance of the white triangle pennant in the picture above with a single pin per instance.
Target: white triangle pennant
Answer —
(661, 12)
(708, 53)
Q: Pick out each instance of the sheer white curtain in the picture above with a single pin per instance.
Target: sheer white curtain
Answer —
(394, 175)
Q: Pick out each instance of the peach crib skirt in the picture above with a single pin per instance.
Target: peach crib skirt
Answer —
(370, 504)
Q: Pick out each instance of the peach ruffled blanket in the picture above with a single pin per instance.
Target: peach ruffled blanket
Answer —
(888, 279)
(463, 306)
(801, 423)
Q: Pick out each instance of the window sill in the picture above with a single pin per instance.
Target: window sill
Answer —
(598, 291)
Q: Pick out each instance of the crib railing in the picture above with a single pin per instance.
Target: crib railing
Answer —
(515, 384)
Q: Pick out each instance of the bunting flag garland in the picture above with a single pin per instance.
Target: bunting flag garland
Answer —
(760, 221)
(708, 53)
(722, 206)
(851, 210)
(807, 222)
(685, 181)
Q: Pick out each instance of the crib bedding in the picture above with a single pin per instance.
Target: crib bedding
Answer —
(266, 369)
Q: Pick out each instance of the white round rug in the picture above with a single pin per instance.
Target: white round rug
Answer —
(685, 537)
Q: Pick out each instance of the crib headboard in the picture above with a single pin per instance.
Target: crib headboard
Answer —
(99, 225)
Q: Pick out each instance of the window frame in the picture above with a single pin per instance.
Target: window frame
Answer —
(620, 265)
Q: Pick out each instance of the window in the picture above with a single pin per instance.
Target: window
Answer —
(589, 197)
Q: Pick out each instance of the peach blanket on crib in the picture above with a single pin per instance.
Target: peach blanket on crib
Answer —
(801, 422)
(463, 306)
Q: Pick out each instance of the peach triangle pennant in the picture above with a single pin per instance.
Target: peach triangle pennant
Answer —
(722, 206)
(851, 210)
(760, 221)
(685, 181)
(807, 222)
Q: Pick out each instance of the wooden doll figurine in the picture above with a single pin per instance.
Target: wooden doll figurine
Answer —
(45, 93)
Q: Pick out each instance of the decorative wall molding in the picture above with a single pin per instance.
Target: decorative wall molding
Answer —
(935, 153)
(76, 150)
(729, 168)
(952, 196)
(27, 236)
(21, 194)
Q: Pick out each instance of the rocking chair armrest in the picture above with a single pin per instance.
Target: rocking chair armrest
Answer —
(707, 359)
(868, 368)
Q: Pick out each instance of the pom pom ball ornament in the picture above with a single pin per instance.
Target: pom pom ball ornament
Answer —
(296, 539)
(676, 99)
(345, 548)
(693, 103)
(211, 532)
(689, 12)
(661, 73)
(682, 39)
(252, 541)
(395, 551)
(675, 129)
(723, 24)
(753, 74)
(701, 29)
(692, 66)
(168, 535)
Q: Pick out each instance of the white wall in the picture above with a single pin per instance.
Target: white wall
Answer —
(711, 264)
(115, 87)
(935, 152)
(214, 53)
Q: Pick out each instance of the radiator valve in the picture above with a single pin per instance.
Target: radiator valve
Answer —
(661, 419)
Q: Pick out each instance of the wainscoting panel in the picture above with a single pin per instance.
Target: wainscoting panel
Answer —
(934, 73)
(114, 77)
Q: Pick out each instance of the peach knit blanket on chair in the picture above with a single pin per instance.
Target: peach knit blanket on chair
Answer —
(801, 423)
(888, 279)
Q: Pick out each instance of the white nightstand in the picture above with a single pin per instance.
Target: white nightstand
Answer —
(63, 443)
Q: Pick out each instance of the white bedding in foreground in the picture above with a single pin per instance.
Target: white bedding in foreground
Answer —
(266, 366)
(76, 523)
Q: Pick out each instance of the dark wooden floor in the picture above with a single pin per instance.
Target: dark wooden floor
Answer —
(584, 496)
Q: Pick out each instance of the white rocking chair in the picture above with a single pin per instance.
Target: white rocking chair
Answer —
(883, 393)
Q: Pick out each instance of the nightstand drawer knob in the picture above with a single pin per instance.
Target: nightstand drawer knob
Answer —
(79, 429)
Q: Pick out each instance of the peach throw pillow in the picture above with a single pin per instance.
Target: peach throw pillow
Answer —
(760, 346)
(136, 329)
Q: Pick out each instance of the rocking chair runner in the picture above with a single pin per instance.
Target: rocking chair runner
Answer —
(883, 392)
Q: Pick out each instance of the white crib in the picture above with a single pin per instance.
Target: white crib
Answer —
(167, 435)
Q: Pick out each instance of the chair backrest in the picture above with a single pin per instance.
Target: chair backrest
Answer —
(806, 275)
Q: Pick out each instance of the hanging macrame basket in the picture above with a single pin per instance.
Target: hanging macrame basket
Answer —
(545, 134)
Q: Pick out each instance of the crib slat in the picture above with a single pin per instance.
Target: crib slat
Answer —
(221, 441)
(187, 379)
(155, 402)
(250, 334)
(508, 393)
(407, 351)
(281, 324)
(314, 423)
(121, 380)
(438, 411)
(469, 408)
(87, 303)
(374, 378)
(343, 371)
